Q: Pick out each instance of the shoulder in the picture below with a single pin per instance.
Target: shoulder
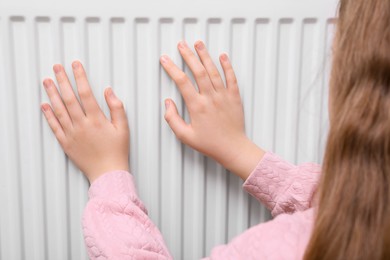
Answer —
(284, 237)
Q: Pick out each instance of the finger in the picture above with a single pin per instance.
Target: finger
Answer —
(53, 123)
(176, 122)
(117, 110)
(198, 70)
(231, 80)
(209, 65)
(70, 100)
(87, 98)
(60, 110)
(184, 84)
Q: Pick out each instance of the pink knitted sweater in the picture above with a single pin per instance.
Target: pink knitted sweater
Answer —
(116, 224)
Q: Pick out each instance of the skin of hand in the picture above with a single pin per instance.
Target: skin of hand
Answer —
(216, 112)
(94, 143)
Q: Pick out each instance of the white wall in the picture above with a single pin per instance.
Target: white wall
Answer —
(280, 50)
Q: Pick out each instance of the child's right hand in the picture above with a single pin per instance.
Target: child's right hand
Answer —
(216, 112)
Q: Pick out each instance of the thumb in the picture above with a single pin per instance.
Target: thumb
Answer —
(117, 110)
(175, 122)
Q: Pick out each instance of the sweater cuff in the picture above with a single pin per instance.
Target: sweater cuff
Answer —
(113, 183)
(255, 171)
(264, 180)
(269, 161)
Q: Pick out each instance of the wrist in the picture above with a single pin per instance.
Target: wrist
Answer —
(245, 158)
(103, 169)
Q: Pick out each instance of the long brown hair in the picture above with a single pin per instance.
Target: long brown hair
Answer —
(353, 213)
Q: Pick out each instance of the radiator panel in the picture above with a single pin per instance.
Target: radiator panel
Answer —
(281, 55)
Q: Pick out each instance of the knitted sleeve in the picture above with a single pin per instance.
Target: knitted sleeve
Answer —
(116, 223)
(281, 186)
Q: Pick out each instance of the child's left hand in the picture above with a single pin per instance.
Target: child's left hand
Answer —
(95, 144)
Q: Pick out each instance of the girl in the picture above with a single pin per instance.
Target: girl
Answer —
(349, 218)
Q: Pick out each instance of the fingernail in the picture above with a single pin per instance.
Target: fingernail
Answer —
(224, 57)
(75, 64)
(167, 104)
(111, 93)
(182, 44)
(164, 59)
(199, 45)
(57, 68)
(43, 108)
(46, 84)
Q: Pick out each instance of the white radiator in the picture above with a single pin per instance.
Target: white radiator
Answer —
(281, 53)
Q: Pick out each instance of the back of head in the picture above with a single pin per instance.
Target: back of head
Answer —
(353, 215)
